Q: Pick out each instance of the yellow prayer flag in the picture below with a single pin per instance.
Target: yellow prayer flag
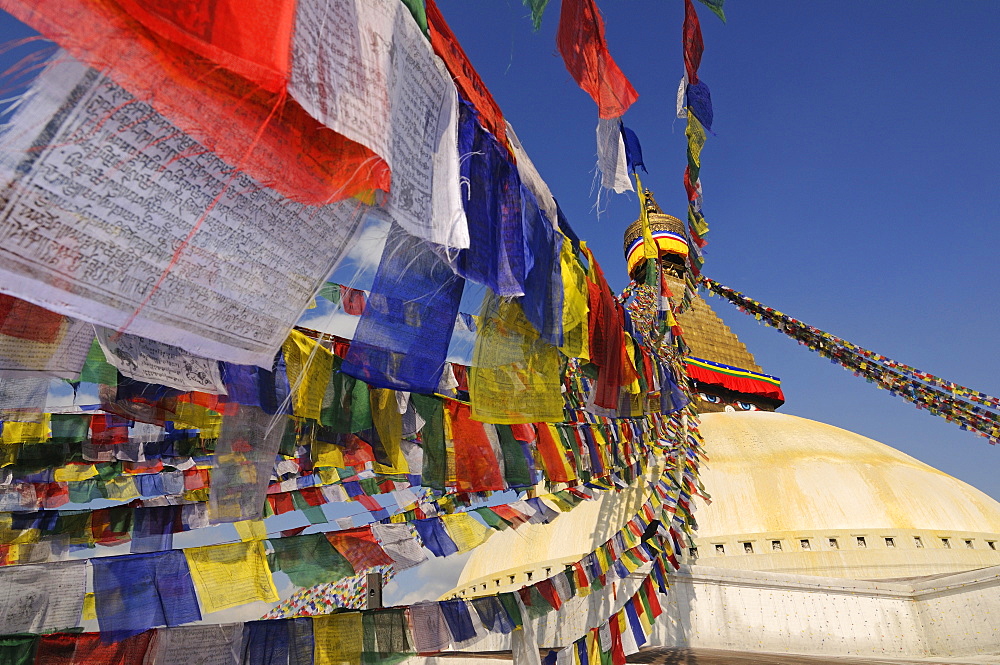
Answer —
(575, 305)
(338, 639)
(250, 530)
(121, 488)
(649, 248)
(326, 456)
(230, 575)
(89, 607)
(466, 531)
(195, 416)
(72, 472)
(309, 366)
(15, 432)
(696, 138)
(389, 425)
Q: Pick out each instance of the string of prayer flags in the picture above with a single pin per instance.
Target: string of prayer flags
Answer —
(230, 574)
(969, 409)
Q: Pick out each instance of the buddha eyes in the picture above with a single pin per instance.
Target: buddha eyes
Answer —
(712, 399)
(746, 406)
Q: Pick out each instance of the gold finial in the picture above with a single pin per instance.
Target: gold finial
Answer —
(651, 206)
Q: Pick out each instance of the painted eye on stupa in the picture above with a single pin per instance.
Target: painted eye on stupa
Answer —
(713, 399)
(746, 406)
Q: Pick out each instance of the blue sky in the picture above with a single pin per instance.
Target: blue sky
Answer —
(851, 182)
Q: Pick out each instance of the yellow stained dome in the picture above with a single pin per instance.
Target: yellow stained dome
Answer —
(789, 495)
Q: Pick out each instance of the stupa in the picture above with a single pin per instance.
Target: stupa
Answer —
(817, 541)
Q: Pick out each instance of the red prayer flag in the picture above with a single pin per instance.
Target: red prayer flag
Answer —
(359, 547)
(352, 300)
(548, 591)
(476, 465)
(236, 105)
(584, 49)
(693, 44)
(72, 648)
(21, 319)
(470, 86)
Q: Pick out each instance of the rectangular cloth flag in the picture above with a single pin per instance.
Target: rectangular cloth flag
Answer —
(242, 464)
(42, 598)
(219, 644)
(495, 256)
(514, 376)
(80, 648)
(36, 341)
(402, 338)
(162, 238)
(218, 69)
(137, 592)
(278, 642)
(161, 364)
(230, 575)
(308, 560)
(338, 639)
(364, 69)
(584, 49)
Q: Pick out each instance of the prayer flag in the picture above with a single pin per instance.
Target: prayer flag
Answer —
(584, 49)
(137, 592)
(230, 575)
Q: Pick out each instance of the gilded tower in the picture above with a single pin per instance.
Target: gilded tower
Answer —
(726, 375)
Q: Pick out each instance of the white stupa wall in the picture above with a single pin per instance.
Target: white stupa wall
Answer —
(953, 615)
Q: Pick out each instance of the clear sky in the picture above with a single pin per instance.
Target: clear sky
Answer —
(852, 181)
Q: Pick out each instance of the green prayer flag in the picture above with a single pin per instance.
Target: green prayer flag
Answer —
(330, 291)
(716, 7)
(515, 465)
(336, 410)
(492, 520)
(418, 9)
(96, 369)
(361, 407)
(69, 427)
(308, 560)
(18, 649)
(431, 409)
(509, 602)
(537, 7)
(314, 514)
